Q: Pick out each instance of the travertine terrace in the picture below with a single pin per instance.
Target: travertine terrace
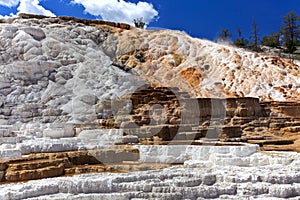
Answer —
(143, 114)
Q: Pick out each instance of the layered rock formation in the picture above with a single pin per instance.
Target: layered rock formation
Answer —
(274, 176)
(61, 69)
(82, 96)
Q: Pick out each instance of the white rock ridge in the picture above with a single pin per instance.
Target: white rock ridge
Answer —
(52, 70)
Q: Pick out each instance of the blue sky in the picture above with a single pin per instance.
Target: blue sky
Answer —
(199, 18)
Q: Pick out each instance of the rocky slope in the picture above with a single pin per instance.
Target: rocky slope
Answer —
(57, 69)
(173, 58)
(82, 96)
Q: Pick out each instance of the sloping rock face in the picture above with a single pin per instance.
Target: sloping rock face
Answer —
(204, 68)
(82, 96)
(61, 69)
(54, 70)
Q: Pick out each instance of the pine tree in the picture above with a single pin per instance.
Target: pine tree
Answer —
(255, 42)
(139, 23)
(225, 35)
(240, 41)
(291, 31)
(271, 40)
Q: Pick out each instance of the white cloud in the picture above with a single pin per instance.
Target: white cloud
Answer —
(33, 7)
(9, 3)
(27, 6)
(7, 16)
(119, 10)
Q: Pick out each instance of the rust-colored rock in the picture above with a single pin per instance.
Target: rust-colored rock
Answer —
(46, 165)
(24, 175)
(192, 75)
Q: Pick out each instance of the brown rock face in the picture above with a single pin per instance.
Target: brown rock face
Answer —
(47, 172)
(46, 165)
(171, 115)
